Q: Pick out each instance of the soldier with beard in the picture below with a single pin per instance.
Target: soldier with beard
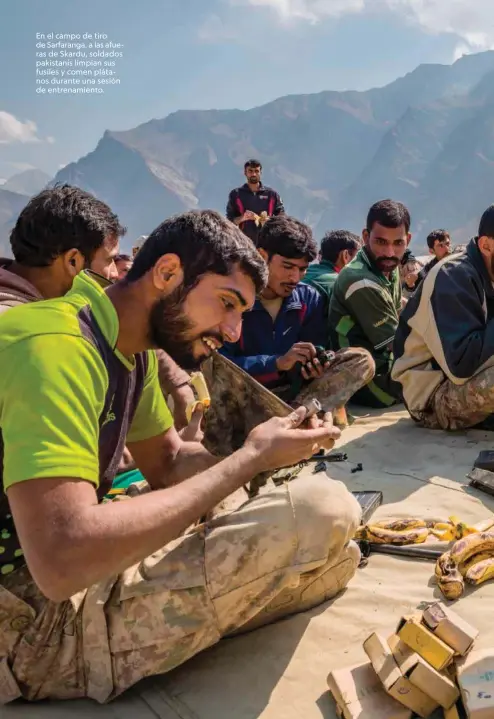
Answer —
(367, 299)
(95, 596)
(444, 346)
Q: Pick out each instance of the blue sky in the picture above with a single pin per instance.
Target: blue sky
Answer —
(214, 54)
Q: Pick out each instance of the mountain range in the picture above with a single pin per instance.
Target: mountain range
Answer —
(426, 139)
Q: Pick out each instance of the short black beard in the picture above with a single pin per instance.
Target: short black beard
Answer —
(170, 329)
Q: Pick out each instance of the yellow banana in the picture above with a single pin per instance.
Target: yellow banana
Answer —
(472, 544)
(453, 529)
(400, 525)
(379, 535)
(198, 382)
(464, 567)
(480, 571)
(449, 579)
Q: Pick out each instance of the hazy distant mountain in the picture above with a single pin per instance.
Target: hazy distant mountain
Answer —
(29, 182)
(426, 138)
(11, 203)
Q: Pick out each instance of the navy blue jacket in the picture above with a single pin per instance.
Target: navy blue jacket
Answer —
(300, 319)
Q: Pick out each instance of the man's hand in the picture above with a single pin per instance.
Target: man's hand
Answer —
(193, 431)
(300, 352)
(181, 396)
(281, 442)
(248, 216)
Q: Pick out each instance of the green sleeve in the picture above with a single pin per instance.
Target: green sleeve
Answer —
(52, 389)
(374, 310)
(152, 415)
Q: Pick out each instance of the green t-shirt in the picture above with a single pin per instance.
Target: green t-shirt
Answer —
(53, 386)
(322, 275)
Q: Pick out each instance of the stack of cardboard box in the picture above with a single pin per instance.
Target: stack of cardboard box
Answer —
(424, 665)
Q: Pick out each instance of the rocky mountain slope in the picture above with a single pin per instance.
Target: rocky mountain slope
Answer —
(28, 182)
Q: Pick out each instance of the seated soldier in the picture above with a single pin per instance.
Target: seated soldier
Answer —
(338, 248)
(444, 346)
(60, 232)
(281, 334)
(367, 299)
(95, 596)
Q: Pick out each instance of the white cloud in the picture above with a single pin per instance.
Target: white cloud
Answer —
(473, 21)
(310, 10)
(14, 130)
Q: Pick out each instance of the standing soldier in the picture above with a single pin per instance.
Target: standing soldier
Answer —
(250, 205)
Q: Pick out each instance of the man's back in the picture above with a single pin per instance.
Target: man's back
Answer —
(446, 329)
(322, 276)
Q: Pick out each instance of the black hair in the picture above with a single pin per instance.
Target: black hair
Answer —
(408, 256)
(486, 227)
(123, 258)
(288, 237)
(206, 242)
(59, 219)
(388, 213)
(436, 236)
(252, 163)
(337, 241)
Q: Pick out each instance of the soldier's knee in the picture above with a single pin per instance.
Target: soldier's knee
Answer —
(327, 515)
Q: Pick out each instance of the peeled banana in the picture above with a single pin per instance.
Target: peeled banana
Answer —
(198, 383)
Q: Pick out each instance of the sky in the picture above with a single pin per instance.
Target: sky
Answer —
(203, 54)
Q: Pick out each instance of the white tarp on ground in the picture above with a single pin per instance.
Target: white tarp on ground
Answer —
(279, 672)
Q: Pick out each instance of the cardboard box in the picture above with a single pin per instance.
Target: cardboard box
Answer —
(359, 694)
(476, 680)
(390, 674)
(422, 640)
(452, 629)
(437, 686)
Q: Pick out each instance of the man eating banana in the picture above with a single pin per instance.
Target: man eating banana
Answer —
(97, 595)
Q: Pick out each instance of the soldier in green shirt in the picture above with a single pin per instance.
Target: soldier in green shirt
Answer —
(367, 298)
(338, 248)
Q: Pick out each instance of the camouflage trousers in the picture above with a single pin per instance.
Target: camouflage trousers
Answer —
(455, 407)
(283, 552)
(351, 369)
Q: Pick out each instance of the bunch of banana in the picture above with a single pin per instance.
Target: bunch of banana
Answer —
(395, 531)
(416, 531)
(470, 559)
